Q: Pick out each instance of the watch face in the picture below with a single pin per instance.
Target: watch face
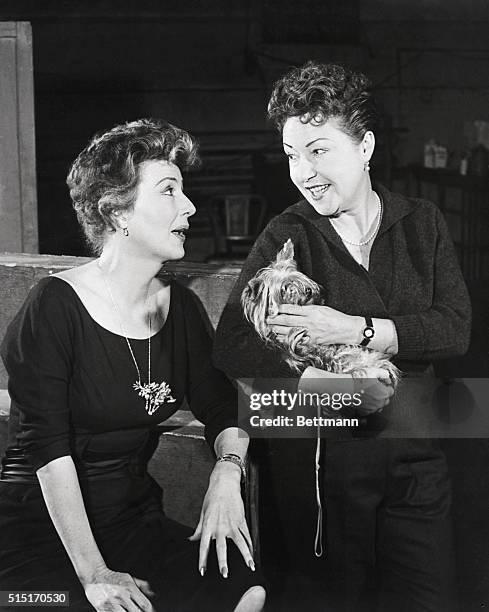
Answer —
(368, 332)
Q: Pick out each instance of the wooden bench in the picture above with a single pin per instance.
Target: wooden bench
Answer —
(183, 455)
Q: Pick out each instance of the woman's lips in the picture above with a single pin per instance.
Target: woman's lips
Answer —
(180, 232)
(317, 191)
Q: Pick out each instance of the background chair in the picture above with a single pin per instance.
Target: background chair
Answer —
(236, 221)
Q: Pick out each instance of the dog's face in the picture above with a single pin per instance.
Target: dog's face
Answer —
(278, 283)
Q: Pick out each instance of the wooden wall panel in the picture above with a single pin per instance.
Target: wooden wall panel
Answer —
(18, 202)
(11, 221)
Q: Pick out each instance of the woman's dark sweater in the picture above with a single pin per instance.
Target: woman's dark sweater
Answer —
(414, 279)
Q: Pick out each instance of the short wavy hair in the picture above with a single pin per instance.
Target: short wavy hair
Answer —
(316, 92)
(103, 179)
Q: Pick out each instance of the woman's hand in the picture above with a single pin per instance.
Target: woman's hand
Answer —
(223, 517)
(109, 590)
(376, 390)
(324, 325)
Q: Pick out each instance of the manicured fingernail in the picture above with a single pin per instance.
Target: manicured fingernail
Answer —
(202, 571)
(224, 572)
(251, 565)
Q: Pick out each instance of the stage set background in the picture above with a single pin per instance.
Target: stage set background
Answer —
(208, 65)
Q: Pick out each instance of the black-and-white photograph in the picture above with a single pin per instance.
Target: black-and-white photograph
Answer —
(244, 305)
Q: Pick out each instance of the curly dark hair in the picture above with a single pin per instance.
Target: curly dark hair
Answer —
(104, 177)
(315, 92)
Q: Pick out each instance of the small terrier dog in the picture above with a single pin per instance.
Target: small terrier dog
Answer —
(282, 283)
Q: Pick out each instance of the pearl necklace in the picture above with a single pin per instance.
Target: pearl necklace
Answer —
(153, 393)
(374, 233)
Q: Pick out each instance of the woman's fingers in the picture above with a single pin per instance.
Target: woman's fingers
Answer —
(378, 373)
(130, 605)
(222, 555)
(240, 535)
(292, 309)
(376, 392)
(245, 532)
(198, 530)
(381, 392)
(285, 320)
(205, 541)
(119, 591)
(126, 600)
(245, 548)
(145, 592)
(280, 333)
(141, 602)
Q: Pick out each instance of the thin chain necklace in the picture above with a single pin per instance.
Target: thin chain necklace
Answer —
(374, 233)
(153, 393)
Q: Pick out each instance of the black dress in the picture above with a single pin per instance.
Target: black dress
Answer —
(70, 383)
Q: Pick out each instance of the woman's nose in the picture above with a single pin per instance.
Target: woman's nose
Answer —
(306, 169)
(187, 206)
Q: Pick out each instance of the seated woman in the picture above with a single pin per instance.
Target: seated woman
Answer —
(98, 356)
(392, 282)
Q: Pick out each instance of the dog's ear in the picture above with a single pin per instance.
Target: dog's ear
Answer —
(287, 252)
(254, 301)
(252, 290)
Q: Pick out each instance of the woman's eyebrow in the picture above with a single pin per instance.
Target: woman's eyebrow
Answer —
(316, 140)
(166, 178)
(309, 143)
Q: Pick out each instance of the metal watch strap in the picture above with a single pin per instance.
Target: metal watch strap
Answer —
(236, 459)
(368, 331)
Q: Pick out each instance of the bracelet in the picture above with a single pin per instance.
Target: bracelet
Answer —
(236, 459)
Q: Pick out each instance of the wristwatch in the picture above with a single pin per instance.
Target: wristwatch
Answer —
(368, 331)
(236, 459)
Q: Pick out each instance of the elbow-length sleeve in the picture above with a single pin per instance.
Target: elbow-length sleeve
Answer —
(238, 350)
(211, 396)
(443, 330)
(37, 352)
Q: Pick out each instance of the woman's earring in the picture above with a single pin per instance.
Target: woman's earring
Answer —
(125, 231)
(366, 166)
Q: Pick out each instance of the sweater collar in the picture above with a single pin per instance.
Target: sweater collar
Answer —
(395, 208)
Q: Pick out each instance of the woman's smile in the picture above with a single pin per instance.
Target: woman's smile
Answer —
(318, 191)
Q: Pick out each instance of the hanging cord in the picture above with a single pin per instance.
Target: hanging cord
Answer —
(318, 540)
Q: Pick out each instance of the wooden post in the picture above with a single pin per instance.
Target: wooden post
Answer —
(18, 201)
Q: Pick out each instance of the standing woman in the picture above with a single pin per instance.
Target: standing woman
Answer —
(97, 356)
(391, 280)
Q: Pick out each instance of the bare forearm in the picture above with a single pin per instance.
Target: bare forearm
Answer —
(64, 501)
